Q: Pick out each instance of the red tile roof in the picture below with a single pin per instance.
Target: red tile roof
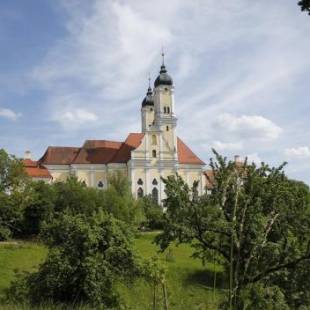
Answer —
(132, 142)
(35, 170)
(186, 155)
(97, 152)
(104, 152)
(93, 144)
(59, 155)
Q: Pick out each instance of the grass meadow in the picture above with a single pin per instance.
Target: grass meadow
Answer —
(189, 283)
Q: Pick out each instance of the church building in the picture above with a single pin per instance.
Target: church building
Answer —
(145, 157)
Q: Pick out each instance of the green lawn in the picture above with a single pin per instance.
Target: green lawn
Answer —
(189, 283)
(17, 257)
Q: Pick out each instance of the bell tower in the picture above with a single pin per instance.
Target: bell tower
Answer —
(164, 119)
(147, 110)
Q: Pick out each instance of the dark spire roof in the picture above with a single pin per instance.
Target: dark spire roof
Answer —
(148, 99)
(163, 78)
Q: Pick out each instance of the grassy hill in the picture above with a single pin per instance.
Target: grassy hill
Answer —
(189, 283)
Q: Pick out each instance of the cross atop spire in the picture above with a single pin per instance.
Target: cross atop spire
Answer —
(163, 67)
(149, 78)
(163, 55)
(149, 90)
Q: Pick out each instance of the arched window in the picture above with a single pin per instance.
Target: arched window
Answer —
(165, 110)
(154, 140)
(140, 192)
(140, 182)
(155, 182)
(100, 184)
(155, 194)
(154, 153)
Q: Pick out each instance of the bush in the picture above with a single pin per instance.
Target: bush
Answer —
(38, 207)
(263, 297)
(11, 215)
(119, 201)
(86, 255)
(154, 216)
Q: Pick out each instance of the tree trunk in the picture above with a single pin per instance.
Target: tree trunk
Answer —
(238, 304)
(154, 296)
(165, 296)
(214, 277)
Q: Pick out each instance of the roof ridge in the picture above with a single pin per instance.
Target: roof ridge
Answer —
(63, 147)
(102, 140)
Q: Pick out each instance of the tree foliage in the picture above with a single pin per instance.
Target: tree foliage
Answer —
(25, 205)
(305, 5)
(12, 174)
(12, 182)
(37, 205)
(255, 218)
(87, 254)
(154, 216)
(119, 201)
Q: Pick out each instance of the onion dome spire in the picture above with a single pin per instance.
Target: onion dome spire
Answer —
(163, 78)
(148, 99)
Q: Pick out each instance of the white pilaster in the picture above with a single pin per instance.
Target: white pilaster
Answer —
(147, 181)
(160, 146)
(132, 179)
(187, 177)
(106, 181)
(92, 177)
(201, 182)
(161, 186)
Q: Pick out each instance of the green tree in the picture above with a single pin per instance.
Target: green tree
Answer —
(12, 173)
(155, 272)
(74, 197)
(38, 206)
(154, 216)
(305, 5)
(13, 180)
(87, 254)
(119, 201)
(254, 218)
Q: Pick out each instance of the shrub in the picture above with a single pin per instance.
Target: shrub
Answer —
(154, 216)
(38, 206)
(87, 254)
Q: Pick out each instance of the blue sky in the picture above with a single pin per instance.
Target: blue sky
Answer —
(72, 70)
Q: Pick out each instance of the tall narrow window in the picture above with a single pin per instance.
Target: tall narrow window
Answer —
(154, 153)
(167, 128)
(168, 110)
(154, 140)
(140, 192)
(165, 110)
(155, 194)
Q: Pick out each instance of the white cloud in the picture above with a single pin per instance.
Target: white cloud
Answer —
(250, 126)
(9, 114)
(227, 146)
(254, 158)
(300, 152)
(75, 118)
